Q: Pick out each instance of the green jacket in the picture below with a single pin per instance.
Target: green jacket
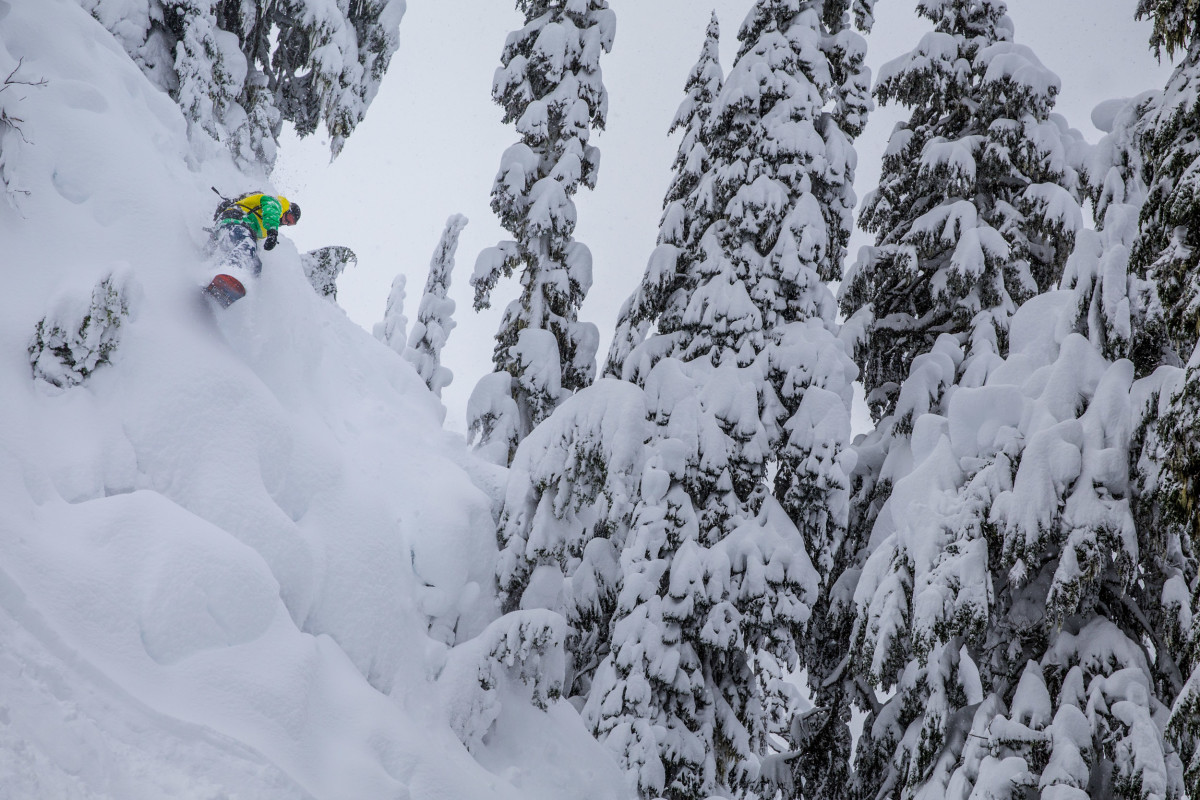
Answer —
(259, 212)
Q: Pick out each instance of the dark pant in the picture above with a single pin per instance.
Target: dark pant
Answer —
(236, 246)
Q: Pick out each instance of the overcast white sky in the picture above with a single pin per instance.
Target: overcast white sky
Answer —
(432, 140)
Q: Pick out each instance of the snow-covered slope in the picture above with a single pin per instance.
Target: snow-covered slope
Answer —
(220, 554)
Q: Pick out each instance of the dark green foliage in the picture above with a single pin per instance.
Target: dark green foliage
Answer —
(72, 343)
(979, 156)
(323, 266)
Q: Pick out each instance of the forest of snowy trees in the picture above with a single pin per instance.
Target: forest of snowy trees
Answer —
(1002, 575)
(993, 593)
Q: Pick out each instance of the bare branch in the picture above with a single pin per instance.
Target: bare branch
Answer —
(13, 80)
(10, 122)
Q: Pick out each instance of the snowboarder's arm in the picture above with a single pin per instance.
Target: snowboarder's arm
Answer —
(272, 210)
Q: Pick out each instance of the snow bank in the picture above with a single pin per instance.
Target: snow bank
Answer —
(221, 554)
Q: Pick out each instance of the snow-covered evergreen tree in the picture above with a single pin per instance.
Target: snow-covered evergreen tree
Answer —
(82, 331)
(1018, 600)
(688, 211)
(977, 208)
(1165, 251)
(732, 335)
(324, 265)
(240, 68)
(976, 213)
(393, 329)
(435, 314)
(551, 88)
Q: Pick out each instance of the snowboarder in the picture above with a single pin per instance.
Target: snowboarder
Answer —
(240, 224)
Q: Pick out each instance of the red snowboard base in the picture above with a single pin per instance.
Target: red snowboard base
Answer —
(226, 290)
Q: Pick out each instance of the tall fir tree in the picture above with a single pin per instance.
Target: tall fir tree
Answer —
(551, 88)
(1165, 251)
(976, 213)
(742, 370)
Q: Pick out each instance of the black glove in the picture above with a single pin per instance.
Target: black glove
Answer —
(272, 240)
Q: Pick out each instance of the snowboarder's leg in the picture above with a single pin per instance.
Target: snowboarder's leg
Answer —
(244, 249)
(237, 248)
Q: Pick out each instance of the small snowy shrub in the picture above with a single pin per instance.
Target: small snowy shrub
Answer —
(493, 419)
(521, 649)
(324, 265)
(80, 334)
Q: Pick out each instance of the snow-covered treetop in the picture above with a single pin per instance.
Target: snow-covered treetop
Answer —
(688, 211)
(978, 204)
(703, 85)
(550, 84)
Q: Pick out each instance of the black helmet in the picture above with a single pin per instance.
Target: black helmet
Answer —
(294, 210)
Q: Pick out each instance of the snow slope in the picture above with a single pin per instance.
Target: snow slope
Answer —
(221, 554)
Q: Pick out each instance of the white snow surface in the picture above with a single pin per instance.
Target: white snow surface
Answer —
(221, 556)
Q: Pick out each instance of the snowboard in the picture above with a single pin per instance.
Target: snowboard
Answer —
(225, 290)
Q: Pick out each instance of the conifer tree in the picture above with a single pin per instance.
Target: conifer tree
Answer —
(240, 68)
(688, 211)
(1020, 598)
(393, 329)
(977, 208)
(551, 88)
(1165, 251)
(435, 314)
(976, 212)
(741, 368)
